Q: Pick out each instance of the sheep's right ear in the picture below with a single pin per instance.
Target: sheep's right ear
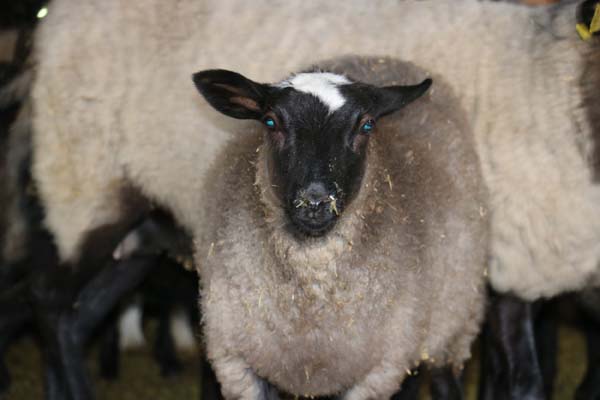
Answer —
(231, 93)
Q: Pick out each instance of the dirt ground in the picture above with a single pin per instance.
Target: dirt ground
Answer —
(140, 378)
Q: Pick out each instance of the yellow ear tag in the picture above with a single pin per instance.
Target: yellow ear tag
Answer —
(586, 33)
(595, 24)
(583, 31)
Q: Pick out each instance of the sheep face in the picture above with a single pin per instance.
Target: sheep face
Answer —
(318, 126)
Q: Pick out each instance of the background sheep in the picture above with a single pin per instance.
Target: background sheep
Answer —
(335, 256)
(113, 107)
(493, 73)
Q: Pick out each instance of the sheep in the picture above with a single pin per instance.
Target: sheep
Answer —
(536, 57)
(25, 246)
(114, 110)
(322, 227)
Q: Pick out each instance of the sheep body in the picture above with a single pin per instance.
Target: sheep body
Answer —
(399, 279)
(114, 106)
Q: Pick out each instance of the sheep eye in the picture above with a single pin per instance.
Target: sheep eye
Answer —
(368, 127)
(270, 123)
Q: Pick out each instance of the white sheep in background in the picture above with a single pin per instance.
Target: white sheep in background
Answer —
(113, 106)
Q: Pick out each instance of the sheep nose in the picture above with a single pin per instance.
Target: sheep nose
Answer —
(313, 196)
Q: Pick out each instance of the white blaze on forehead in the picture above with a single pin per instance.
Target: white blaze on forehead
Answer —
(323, 85)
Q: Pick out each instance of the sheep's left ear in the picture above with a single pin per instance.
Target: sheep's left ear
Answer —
(231, 93)
(394, 98)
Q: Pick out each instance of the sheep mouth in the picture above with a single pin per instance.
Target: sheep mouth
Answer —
(311, 227)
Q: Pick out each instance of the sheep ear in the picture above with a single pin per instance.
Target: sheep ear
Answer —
(395, 97)
(231, 93)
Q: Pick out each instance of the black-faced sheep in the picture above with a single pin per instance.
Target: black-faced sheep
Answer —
(337, 255)
(113, 108)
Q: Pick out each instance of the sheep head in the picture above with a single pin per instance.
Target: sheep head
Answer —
(317, 125)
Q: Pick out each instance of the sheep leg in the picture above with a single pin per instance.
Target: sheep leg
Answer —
(56, 340)
(510, 365)
(590, 386)
(67, 321)
(109, 351)
(546, 337)
(238, 380)
(445, 384)
(54, 383)
(410, 388)
(164, 347)
(96, 300)
(15, 313)
(70, 345)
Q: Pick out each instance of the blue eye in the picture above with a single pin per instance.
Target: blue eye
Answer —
(368, 127)
(270, 122)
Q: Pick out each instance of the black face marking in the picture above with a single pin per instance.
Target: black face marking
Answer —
(316, 169)
(316, 155)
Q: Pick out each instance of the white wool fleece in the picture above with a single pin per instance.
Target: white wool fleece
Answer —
(114, 102)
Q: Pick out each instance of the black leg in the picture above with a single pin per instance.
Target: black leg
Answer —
(546, 337)
(71, 347)
(410, 387)
(589, 388)
(445, 384)
(54, 382)
(15, 314)
(66, 377)
(102, 294)
(94, 303)
(164, 347)
(510, 367)
(109, 350)
(68, 321)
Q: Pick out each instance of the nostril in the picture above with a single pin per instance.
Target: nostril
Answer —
(316, 193)
(315, 203)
